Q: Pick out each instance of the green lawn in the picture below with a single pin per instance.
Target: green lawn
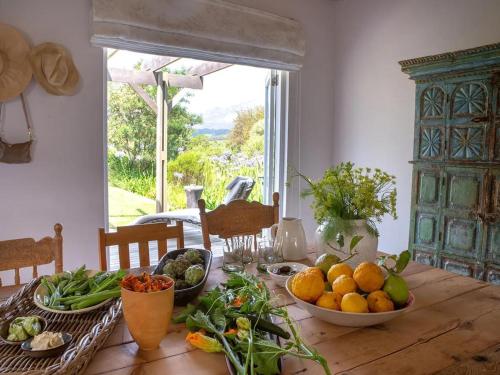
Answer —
(125, 206)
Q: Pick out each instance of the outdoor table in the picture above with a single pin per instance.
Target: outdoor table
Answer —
(453, 327)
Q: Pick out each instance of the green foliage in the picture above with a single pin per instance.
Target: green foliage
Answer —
(347, 193)
(243, 123)
(131, 127)
(198, 160)
(251, 350)
(123, 174)
(255, 142)
(209, 163)
(189, 168)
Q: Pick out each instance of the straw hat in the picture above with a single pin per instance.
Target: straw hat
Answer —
(15, 69)
(54, 69)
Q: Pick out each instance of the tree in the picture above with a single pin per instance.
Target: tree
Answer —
(132, 125)
(243, 123)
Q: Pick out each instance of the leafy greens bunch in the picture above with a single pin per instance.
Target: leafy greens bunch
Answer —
(235, 319)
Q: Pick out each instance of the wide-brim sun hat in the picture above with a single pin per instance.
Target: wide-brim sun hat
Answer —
(15, 69)
(54, 69)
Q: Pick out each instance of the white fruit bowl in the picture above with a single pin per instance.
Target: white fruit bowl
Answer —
(347, 319)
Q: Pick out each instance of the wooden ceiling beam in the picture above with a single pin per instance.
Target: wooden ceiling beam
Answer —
(207, 68)
(148, 78)
(158, 62)
(145, 96)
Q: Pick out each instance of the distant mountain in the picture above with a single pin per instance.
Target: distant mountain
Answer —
(218, 133)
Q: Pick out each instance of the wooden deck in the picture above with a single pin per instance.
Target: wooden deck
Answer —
(192, 238)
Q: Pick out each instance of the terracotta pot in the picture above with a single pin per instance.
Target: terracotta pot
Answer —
(148, 315)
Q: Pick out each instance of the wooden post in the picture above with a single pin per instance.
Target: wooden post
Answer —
(161, 140)
(58, 248)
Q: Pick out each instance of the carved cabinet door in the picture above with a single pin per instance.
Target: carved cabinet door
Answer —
(469, 120)
(430, 108)
(492, 230)
(495, 134)
(461, 221)
(425, 217)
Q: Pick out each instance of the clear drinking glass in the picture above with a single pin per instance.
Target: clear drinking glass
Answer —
(232, 260)
(247, 245)
(266, 255)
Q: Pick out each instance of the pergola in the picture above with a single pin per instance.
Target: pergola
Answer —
(154, 75)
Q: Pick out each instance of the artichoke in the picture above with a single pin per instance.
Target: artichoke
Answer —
(176, 268)
(168, 269)
(181, 284)
(193, 256)
(194, 274)
(32, 325)
(16, 331)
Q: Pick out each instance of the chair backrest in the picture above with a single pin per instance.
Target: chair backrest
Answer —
(239, 188)
(140, 234)
(238, 217)
(26, 252)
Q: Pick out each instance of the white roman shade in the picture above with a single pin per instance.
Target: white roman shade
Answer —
(203, 29)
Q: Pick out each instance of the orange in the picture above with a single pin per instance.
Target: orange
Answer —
(339, 269)
(344, 284)
(315, 270)
(308, 286)
(369, 277)
(379, 301)
(354, 302)
(330, 300)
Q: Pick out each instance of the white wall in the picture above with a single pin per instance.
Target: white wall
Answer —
(64, 182)
(373, 101)
(311, 126)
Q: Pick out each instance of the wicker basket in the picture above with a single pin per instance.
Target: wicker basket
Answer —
(89, 330)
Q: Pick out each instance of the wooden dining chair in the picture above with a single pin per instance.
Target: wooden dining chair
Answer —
(237, 218)
(26, 252)
(141, 234)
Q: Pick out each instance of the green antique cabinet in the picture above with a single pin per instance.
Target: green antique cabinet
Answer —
(455, 207)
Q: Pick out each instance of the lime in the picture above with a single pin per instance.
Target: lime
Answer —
(325, 261)
(395, 286)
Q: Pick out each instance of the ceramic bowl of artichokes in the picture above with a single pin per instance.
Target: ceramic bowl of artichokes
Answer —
(16, 330)
(189, 269)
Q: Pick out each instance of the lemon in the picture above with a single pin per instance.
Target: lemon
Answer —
(308, 286)
(395, 286)
(329, 300)
(369, 277)
(337, 270)
(379, 301)
(354, 302)
(325, 261)
(344, 284)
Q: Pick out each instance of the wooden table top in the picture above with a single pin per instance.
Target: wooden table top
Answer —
(452, 328)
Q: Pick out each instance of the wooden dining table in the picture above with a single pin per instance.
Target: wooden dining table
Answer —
(453, 327)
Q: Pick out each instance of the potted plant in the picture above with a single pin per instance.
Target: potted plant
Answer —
(348, 201)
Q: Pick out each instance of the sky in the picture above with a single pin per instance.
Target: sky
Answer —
(224, 92)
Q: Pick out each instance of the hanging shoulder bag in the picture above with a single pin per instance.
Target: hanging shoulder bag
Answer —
(17, 153)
